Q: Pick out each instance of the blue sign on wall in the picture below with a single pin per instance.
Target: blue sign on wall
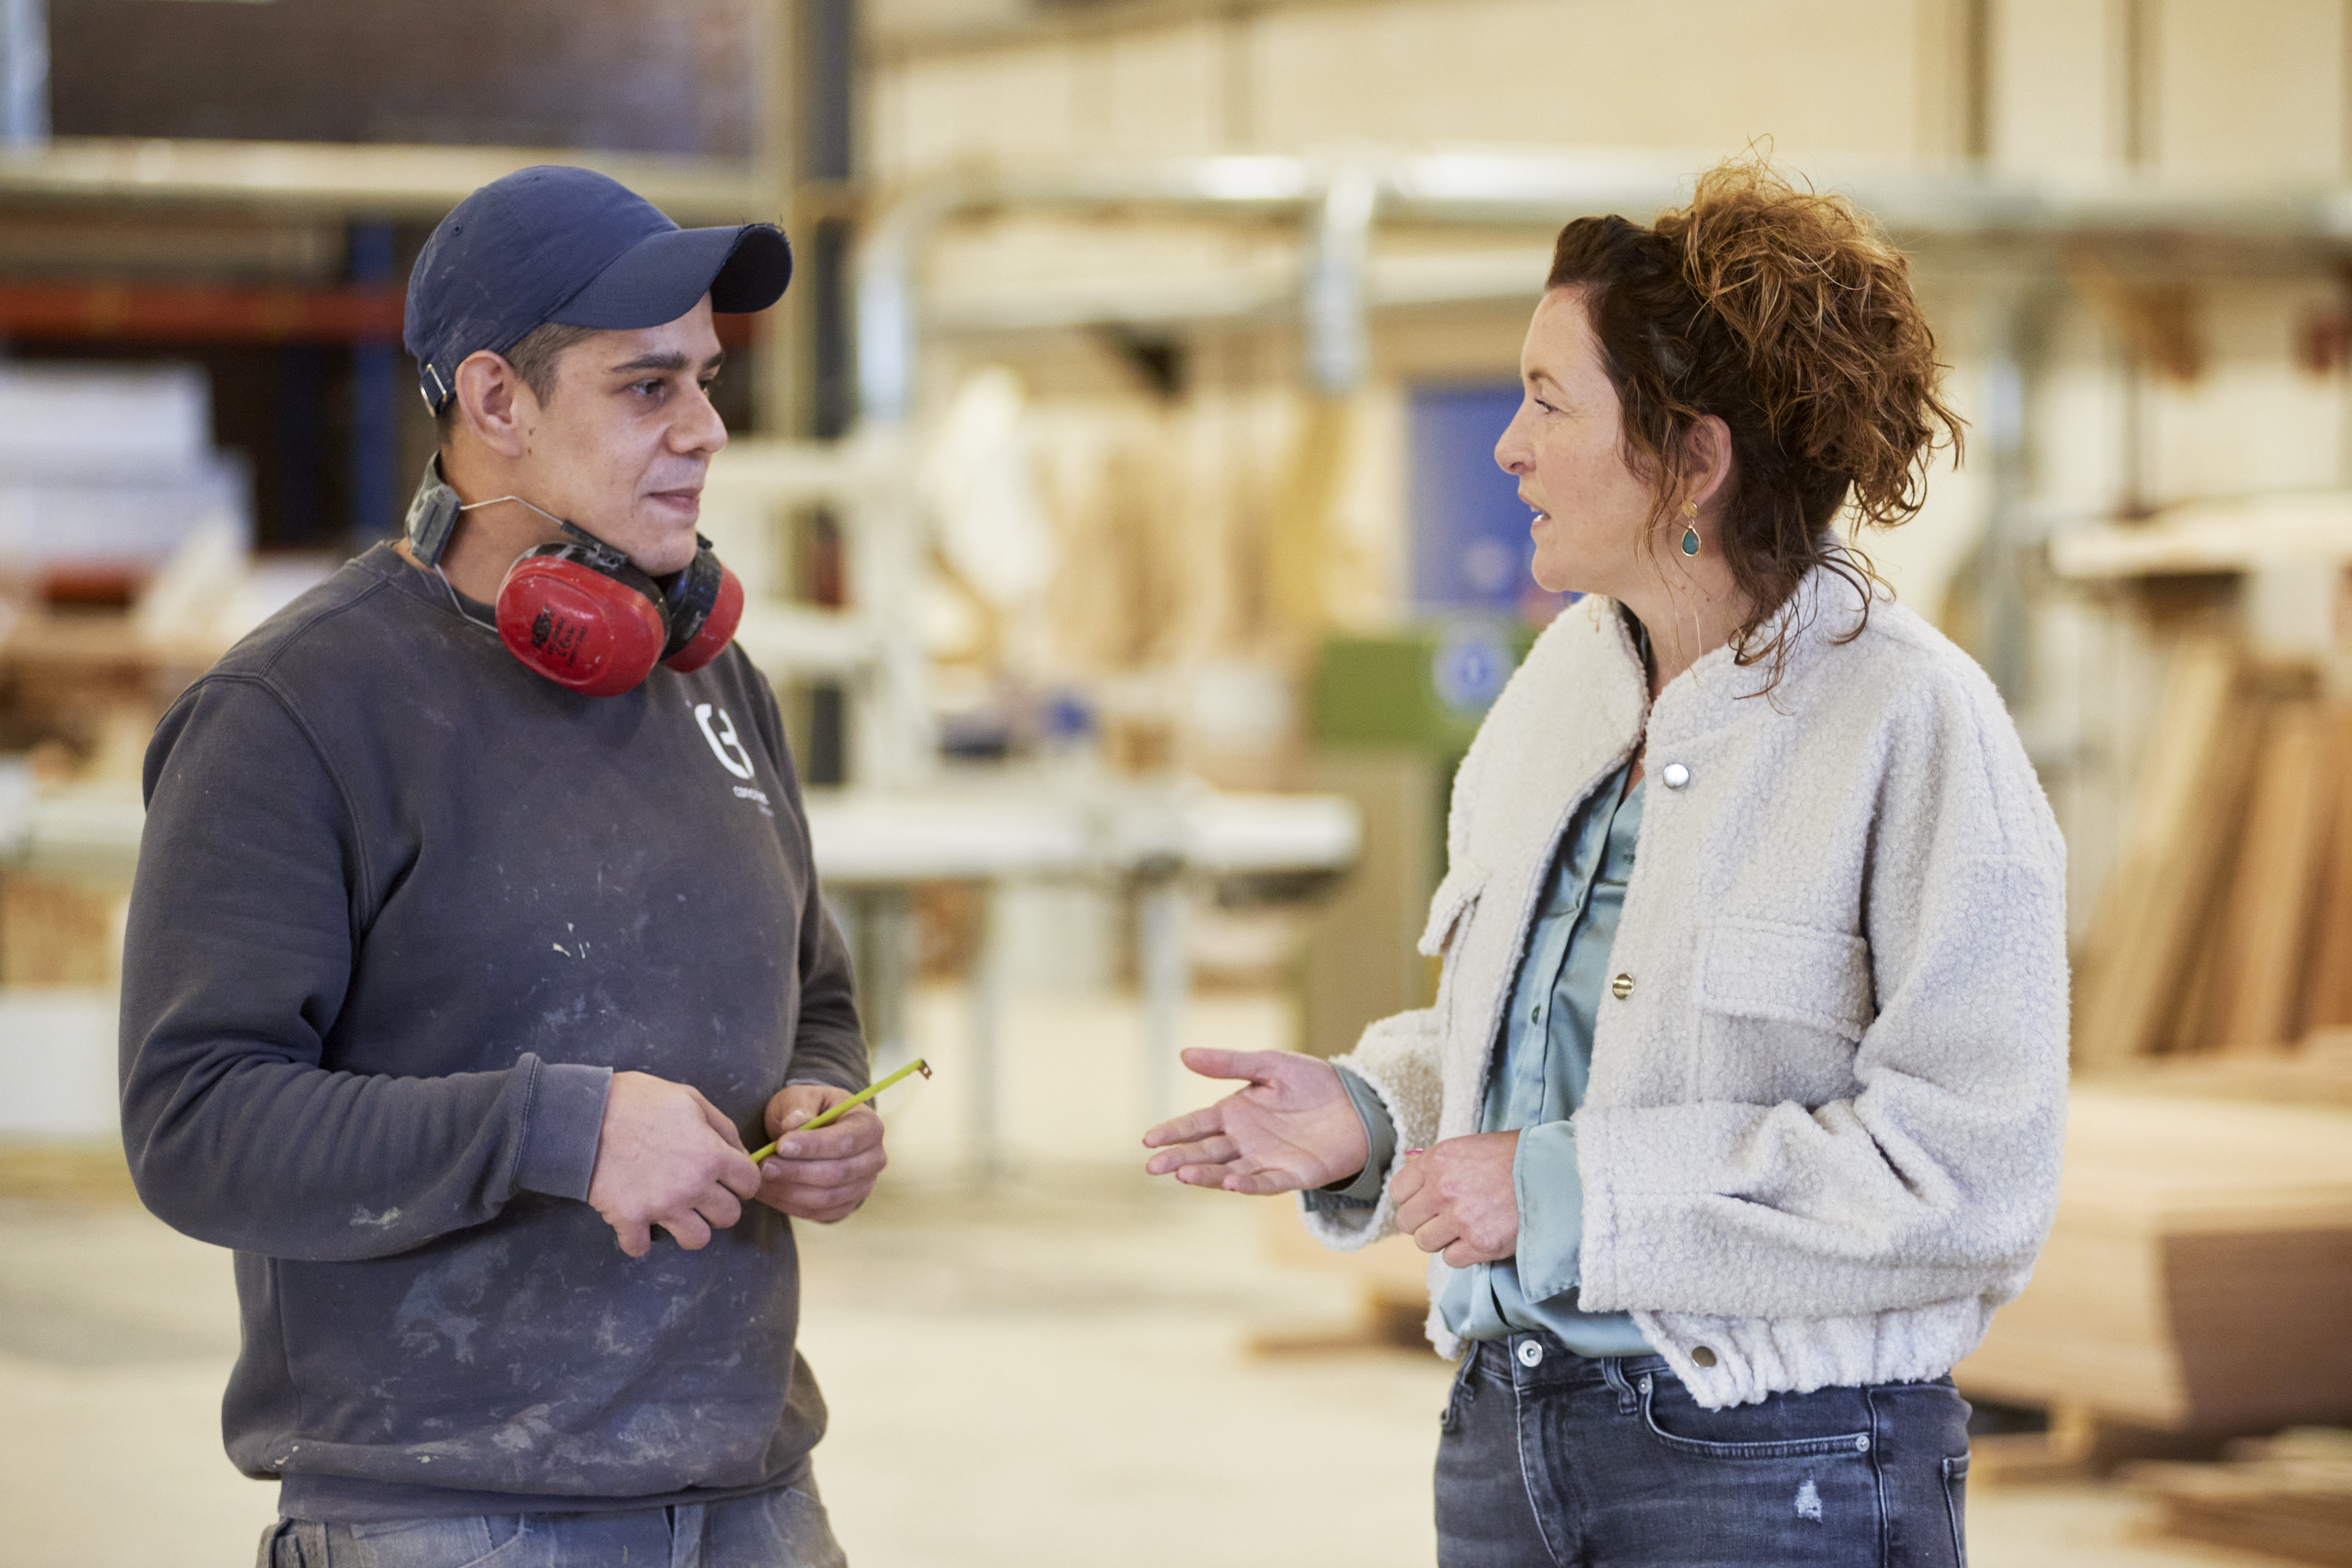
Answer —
(1470, 546)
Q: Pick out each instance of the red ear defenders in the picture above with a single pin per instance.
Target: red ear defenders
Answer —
(582, 616)
(580, 613)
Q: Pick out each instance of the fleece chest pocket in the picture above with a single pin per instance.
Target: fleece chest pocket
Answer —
(1449, 909)
(1781, 1008)
(1449, 921)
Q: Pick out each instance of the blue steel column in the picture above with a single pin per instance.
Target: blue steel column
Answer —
(24, 74)
(826, 72)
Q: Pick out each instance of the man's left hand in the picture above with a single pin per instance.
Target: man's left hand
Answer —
(1456, 1198)
(822, 1176)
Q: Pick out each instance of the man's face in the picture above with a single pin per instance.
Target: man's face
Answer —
(621, 444)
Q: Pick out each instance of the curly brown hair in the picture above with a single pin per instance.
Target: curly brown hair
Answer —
(1786, 315)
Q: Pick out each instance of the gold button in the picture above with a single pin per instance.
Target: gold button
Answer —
(1702, 1356)
(1621, 987)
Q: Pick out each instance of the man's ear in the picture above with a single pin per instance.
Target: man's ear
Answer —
(495, 402)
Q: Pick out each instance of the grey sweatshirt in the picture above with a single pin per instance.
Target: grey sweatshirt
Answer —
(402, 908)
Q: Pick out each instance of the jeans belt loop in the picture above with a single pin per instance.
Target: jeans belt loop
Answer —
(1613, 1372)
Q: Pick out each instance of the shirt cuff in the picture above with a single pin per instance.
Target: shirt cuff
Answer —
(1363, 1190)
(1552, 1210)
(561, 1129)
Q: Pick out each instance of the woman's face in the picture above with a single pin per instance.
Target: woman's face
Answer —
(1566, 446)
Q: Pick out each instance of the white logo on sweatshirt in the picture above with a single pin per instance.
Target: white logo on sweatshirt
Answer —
(724, 744)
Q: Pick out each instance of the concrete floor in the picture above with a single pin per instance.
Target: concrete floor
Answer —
(1051, 1371)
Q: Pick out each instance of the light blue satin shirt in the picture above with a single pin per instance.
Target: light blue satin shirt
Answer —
(1534, 1089)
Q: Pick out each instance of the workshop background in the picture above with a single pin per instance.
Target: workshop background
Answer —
(1115, 493)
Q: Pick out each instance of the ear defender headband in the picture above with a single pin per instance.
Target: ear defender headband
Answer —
(579, 613)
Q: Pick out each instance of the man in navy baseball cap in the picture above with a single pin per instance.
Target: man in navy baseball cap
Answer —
(563, 339)
(461, 988)
(553, 245)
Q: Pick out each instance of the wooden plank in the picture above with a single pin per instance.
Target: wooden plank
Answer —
(2078, 1444)
(2290, 1498)
(2328, 994)
(2196, 1011)
(2266, 925)
(2136, 959)
(75, 1169)
(2199, 1273)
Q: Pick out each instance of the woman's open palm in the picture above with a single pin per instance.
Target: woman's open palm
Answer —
(1292, 1127)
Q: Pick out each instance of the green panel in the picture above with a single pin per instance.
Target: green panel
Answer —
(1422, 688)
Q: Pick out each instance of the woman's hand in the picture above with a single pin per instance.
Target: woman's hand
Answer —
(1293, 1127)
(1456, 1198)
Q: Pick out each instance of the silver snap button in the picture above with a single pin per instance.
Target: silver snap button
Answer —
(1530, 1353)
(1646, 1382)
(1673, 775)
(1862, 1444)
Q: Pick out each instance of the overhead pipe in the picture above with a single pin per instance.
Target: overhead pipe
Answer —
(1345, 199)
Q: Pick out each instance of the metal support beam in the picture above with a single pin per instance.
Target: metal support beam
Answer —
(1338, 339)
(2016, 339)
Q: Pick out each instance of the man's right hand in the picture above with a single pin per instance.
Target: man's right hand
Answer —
(1293, 1127)
(666, 1157)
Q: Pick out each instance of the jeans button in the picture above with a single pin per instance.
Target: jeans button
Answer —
(1646, 1382)
(1530, 1353)
(1862, 1444)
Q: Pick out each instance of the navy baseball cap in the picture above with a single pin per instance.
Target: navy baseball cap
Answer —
(552, 244)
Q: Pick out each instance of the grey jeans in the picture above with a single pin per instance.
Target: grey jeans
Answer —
(786, 1528)
(1549, 1459)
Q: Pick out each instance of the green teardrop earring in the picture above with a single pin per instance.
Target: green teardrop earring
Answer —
(1690, 527)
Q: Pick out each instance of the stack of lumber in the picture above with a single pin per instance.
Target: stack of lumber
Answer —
(2226, 925)
(57, 931)
(2319, 1072)
(2199, 1279)
(2290, 1497)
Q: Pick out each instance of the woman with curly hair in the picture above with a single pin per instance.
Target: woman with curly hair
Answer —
(1739, 1109)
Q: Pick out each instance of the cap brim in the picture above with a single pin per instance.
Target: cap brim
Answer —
(659, 278)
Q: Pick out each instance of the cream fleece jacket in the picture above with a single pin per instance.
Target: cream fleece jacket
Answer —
(1821, 1137)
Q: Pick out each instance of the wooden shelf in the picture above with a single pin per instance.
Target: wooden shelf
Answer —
(2312, 529)
(374, 180)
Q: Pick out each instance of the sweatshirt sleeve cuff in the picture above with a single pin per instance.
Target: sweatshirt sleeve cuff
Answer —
(1363, 1190)
(1551, 1209)
(561, 1126)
